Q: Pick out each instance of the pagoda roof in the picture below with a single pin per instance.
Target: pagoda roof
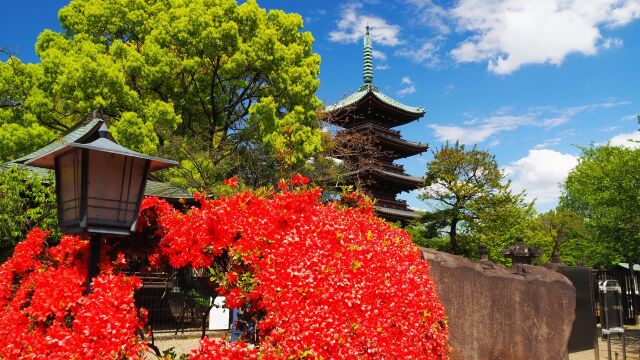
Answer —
(410, 182)
(372, 90)
(401, 147)
(82, 133)
(396, 214)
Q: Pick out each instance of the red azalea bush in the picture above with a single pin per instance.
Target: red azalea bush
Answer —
(44, 314)
(322, 281)
(319, 281)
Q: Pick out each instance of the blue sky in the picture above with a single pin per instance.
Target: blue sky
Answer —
(527, 80)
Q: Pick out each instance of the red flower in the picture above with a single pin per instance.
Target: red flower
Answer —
(232, 277)
(232, 182)
(46, 316)
(321, 281)
(299, 180)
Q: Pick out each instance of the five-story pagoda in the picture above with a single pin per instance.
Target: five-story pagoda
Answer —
(371, 113)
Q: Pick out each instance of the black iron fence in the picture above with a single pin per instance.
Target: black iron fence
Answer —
(628, 281)
(175, 302)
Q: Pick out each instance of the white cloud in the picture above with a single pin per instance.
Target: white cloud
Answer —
(351, 27)
(408, 89)
(377, 54)
(314, 15)
(549, 143)
(612, 43)
(449, 89)
(477, 134)
(382, 67)
(540, 174)
(478, 130)
(426, 54)
(609, 128)
(629, 140)
(512, 33)
(431, 15)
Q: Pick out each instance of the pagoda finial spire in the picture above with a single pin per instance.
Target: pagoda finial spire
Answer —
(367, 70)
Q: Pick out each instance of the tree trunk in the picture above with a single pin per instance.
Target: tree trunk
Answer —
(453, 236)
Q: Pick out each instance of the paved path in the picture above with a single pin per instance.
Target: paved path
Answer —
(183, 343)
(632, 341)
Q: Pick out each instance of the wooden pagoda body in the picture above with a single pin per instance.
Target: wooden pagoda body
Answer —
(370, 114)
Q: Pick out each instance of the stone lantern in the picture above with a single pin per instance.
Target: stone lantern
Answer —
(99, 187)
(521, 253)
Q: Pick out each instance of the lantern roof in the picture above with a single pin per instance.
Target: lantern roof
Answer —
(102, 143)
(80, 133)
(84, 132)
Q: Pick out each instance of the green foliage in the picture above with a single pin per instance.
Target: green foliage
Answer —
(511, 217)
(26, 201)
(471, 202)
(423, 235)
(20, 131)
(204, 82)
(604, 189)
(568, 235)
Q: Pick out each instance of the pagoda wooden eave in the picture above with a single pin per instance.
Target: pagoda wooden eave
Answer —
(396, 214)
(369, 103)
(403, 182)
(389, 140)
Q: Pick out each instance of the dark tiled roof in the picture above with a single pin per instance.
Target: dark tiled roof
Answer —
(166, 190)
(76, 135)
(404, 177)
(409, 214)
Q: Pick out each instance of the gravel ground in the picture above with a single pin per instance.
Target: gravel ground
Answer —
(182, 343)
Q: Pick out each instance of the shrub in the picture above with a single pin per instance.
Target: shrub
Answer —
(320, 281)
(317, 281)
(45, 314)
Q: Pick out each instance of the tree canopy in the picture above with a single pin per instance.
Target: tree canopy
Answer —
(604, 188)
(211, 83)
(468, 195)
(26, 201)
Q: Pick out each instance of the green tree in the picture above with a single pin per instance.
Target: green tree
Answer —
(26, 201)
(563, 228)
(512, 216)
(207, 82)
(604, 188)
(468, 195)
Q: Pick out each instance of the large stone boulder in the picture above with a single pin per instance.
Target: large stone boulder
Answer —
(498, 314)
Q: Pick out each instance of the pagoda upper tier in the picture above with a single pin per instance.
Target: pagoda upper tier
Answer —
(369, 104)
(368, 116)
(390, 140)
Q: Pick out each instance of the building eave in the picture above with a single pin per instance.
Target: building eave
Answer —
(353, 99)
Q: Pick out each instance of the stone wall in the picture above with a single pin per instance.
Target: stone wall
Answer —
(495, 314)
